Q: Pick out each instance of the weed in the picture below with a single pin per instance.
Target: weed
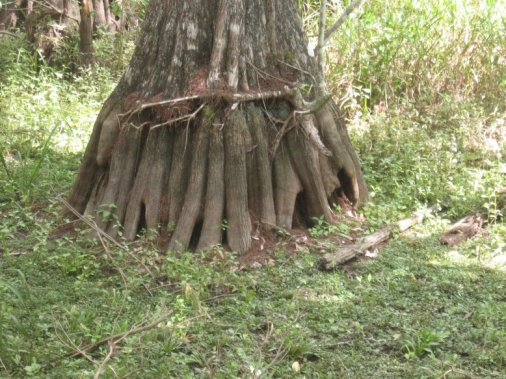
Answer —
(423, 342)
(321, 228)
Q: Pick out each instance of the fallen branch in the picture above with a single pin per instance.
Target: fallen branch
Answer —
(93, 225)
(5, 32)
(463, 229)
(462, 373)
(346, 253)
(118, 337)
(112, 347)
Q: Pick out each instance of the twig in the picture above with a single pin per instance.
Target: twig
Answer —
(340, 21)
(188, 117)
(73, 345)
(159, 103)
(320, 48)
(112, 347)
(460, 372)
(93, 225)
(281, 353)
(264, 73)
(120, 336)
(229, 97)
(279, 136)
(5, 32)
(3, 366)
(17, 254)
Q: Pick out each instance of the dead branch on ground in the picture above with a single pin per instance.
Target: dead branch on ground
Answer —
(462, 230)
(119, 337)
(346, 253)
(112, 348)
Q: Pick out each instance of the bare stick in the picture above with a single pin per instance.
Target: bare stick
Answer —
(281, 353)
(348, 252)
(465, 374)
(73, 345)
(334, 28)
(279, 136)
(5, 32)
(120, 336)
(48, 5)
(188, 117)
(3, 366)
(320, 48)
(112, 347)
(93, 225)
(230, 97)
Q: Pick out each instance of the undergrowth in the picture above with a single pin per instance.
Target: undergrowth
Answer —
(422, 85)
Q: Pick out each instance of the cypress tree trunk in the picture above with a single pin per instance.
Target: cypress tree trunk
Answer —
(212, 122)
(99, 17)
(86, 32)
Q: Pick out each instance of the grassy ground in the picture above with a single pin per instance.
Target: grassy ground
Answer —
(419, 310)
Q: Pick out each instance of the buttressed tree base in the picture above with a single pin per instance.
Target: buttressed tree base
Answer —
(214, 123)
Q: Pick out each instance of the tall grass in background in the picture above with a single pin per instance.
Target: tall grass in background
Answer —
(421, 51)
(46, 116)
(423, 84)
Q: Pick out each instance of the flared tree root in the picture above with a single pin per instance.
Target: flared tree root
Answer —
(199, 172)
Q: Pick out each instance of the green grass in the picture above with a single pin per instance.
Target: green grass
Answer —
(420, 310)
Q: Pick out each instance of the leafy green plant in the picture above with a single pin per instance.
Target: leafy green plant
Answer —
(424, 342)
(321, 228)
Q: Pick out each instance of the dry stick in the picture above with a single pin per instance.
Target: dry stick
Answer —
(9, 33)
(121, 272)
(346, 253)
(460, 372)
(120, 336)
(3, 366)
(230, 97)
(279, 136)
(320, 48)
(111, 259)
(188, 117)
(264, 74)
(281, 353)
(56, 9)
(334, 28)
(93, 225)
(73, 345)
(112, 347)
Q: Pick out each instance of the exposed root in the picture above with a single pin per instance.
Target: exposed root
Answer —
(286, 188)
(194, 193)
(237, 212)
(306, 164)
(190, 178)
(215, 194)
(208, 130)
(178, 174)
(260, 182)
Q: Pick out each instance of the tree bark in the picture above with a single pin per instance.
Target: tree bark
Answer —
(9, 15)
(99, 9)
(86, 32)
(209, 130)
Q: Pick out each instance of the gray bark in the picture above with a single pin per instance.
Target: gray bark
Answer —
(224, 78)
